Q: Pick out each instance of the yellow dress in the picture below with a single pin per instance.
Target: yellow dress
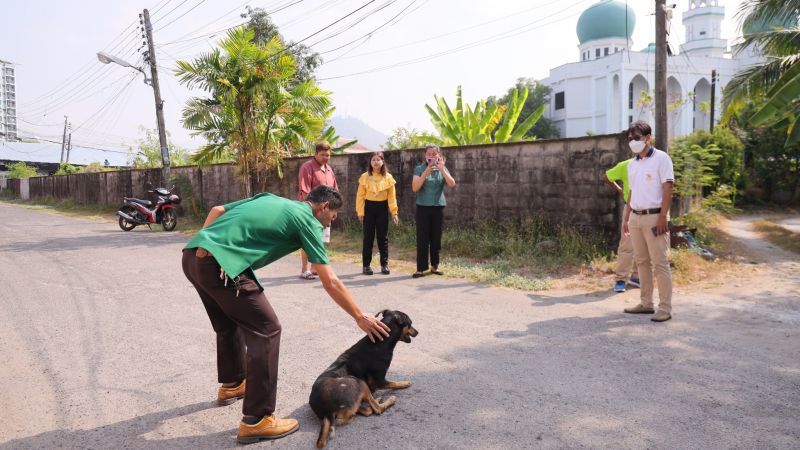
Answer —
(376, 188)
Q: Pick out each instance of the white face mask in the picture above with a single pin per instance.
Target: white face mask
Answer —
(636, 146)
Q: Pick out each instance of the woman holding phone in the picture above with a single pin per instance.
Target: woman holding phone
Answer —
(376, 199)
(428, 183)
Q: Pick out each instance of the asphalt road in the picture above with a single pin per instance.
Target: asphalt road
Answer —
(104, 344)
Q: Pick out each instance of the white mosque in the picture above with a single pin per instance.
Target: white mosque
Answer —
(612, 85)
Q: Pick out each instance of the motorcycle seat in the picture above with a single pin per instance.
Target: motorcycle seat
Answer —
(139, 201)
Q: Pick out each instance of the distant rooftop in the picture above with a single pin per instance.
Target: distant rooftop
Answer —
(46, 152)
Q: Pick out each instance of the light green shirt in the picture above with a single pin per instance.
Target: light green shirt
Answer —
(620, 173)
(432, 191)
(259, 230)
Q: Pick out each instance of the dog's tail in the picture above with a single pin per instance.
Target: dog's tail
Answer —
(324, 431)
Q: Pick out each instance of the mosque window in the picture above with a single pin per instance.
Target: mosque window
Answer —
(605, 52)
(560, 100)
(597, 53)
(630, 96)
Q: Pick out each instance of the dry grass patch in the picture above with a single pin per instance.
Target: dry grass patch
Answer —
(779, 235)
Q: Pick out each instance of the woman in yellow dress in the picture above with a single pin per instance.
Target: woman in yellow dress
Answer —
(375, 201)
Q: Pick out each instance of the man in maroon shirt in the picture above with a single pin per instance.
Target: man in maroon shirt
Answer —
(313, 173)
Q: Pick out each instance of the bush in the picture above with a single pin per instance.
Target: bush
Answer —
(21, 170)
(66, 169)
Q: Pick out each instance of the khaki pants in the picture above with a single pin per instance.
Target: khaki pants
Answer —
(626, 267)
(650, 253)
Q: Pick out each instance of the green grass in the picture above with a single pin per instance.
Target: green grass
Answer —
(525, 256)
(522, 256)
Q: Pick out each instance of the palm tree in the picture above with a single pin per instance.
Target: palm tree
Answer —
(777, 81)
(256, 109)
(467, 125)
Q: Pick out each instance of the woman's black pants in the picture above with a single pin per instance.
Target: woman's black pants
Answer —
(429, 235)
(376, 220)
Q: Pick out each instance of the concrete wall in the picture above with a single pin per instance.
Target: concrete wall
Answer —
(560, 180)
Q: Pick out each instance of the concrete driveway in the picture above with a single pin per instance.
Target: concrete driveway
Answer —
(104, 344)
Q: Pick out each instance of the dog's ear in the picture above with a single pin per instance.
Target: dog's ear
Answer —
(382, 313)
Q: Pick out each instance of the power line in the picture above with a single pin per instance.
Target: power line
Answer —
(369, 35)
(460, 30)
(187, 12)
(180, 38)
(170, 12)
(109, 103)
(350, 26)
(500, 36)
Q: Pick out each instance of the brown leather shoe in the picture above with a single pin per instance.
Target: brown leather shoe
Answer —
(228, 395)
(270, 427)
(640, 309)
(661, 316)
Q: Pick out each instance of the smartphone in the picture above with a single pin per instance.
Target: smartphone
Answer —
(655, 229)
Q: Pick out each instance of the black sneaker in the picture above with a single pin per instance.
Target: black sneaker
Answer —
(385, 270)
(367, 271)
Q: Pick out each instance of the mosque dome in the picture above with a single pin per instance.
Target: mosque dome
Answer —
(651, 48)
(606, 19)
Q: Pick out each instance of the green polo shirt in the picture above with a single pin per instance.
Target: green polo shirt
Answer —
(620, 173)
(259, 230)
(432, 191)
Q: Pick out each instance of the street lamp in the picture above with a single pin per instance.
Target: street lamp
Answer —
(106, 58)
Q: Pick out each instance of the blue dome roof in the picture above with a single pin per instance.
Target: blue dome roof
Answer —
(606, 19)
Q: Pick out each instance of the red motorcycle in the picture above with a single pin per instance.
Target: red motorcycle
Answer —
(136, 211)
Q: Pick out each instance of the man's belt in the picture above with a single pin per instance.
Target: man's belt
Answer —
(644, 212)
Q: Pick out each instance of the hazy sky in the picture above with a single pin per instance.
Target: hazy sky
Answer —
(430, 48)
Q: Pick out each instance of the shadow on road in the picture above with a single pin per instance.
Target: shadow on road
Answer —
(95, 239)
(129, 434)
(591, 297)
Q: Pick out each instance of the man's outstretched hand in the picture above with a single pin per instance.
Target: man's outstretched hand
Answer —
(374, 328)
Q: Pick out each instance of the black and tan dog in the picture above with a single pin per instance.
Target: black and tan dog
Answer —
(338, 393)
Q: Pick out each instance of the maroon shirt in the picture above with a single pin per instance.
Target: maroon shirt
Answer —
(312, 175)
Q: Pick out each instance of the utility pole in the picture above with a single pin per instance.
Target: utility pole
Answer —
(713, 97)
(69, 145)
(162, 132)
(63, 139)
(662, 138)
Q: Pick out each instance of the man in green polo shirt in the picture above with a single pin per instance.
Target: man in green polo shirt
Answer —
(625, 270)
(237, 239)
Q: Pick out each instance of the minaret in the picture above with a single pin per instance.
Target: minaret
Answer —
(703, 22)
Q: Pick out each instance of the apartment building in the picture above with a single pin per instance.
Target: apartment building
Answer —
(8, 102)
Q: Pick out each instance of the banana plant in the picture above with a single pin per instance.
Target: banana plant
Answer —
(329, 135)
(467, 125)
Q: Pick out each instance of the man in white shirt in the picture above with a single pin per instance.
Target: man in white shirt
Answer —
(651, 178)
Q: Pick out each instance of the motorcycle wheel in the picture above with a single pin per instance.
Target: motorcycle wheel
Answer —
(123, 223)
(169, 220)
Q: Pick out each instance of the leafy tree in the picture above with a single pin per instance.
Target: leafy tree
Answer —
(256, 109)
(466, 125)
(65, 168)
(779, 78)
(22, 170)
(148, 154)
(694, 168)
(403, 138)
(265, 30)
(728, 168)
(538, 95)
